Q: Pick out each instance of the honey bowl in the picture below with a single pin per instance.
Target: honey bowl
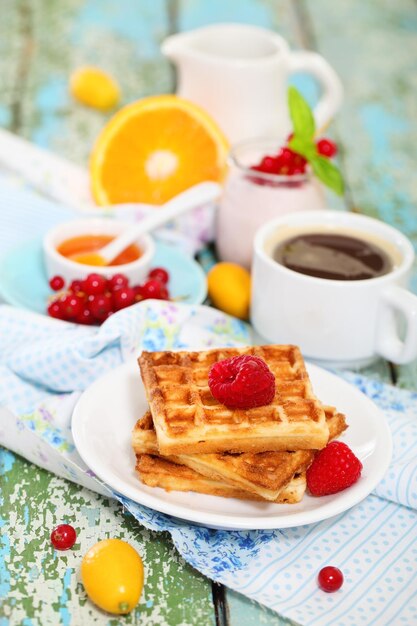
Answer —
(65, 242)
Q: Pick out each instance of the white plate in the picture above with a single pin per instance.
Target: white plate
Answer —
(105, 414)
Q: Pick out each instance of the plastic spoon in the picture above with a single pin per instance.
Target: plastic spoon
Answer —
(198, 195)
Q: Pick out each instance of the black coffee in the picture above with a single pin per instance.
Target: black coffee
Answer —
(331, 256)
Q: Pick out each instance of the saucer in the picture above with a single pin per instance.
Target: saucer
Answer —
(23, 281)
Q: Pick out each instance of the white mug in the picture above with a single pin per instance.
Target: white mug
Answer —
(335, 322)
(239, 74)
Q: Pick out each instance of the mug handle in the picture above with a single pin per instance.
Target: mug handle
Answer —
(388, 342)
(332, 96)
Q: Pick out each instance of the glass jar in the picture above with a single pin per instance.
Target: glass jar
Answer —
(251, 198)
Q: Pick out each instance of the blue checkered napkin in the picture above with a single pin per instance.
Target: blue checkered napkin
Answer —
(44, 365)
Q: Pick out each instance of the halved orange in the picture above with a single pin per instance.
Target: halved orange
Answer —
(155, 148)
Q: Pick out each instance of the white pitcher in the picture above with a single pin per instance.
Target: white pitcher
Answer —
(239, 73)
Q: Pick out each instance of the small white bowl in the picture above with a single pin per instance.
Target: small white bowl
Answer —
(56, 264)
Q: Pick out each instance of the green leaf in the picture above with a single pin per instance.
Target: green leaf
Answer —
(327, 173)
(301, 115)
(305, 147)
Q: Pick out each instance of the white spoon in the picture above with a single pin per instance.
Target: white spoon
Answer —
(200, 194)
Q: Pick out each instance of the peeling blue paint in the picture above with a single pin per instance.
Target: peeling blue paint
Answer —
(4, 553)
(381, 126)
(7, 459)
(26, 515)
(123, 19)
(63, 600)
(51, 97)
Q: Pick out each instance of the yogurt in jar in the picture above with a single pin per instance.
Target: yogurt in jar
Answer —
(252, 198)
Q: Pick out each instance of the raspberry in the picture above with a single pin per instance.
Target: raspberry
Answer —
(334, 468)
(242, 382)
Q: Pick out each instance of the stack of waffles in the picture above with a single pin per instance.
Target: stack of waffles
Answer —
(188, 441)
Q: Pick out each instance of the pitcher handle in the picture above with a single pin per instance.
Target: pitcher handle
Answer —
(332, 96)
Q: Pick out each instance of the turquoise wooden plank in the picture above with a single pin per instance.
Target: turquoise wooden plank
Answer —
(246, 612)
(41, 587)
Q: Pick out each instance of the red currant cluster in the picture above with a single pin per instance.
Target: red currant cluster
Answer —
(94, 299)
(289, 163)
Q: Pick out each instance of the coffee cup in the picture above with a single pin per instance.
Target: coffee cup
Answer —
(336, 321)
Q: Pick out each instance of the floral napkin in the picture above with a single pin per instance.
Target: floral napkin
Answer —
(45, 365)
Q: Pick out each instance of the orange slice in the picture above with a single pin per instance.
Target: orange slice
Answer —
(155, 148)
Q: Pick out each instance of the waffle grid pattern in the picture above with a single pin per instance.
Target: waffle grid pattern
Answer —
(179, 395)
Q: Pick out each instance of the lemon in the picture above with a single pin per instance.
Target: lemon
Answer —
(94, 88)
(229, 288)
(112, 574)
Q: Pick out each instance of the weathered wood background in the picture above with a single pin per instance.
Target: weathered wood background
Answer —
(373, 47)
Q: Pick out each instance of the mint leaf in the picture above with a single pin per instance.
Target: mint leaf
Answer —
(301, 116)
(327, 173)
(305, 147)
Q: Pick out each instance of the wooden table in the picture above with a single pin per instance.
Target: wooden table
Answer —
(373, 47)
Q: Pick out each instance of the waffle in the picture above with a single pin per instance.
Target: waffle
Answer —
(189, 420)
(155, 471)
(265, 474)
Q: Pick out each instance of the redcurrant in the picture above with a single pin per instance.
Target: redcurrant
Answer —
(71, 305)
(326, 148)
(63, 537)
(56, 283)
(100, 305)
(138, 293)
(268, 165)
(286, 156)
(85, 317)
(159, 273)
(299, 161)
(164, 294)
(94, 284)
(123, 297)
(117, 281)
(152, 289)
(76, 286)
(330, 578)
(54, 310)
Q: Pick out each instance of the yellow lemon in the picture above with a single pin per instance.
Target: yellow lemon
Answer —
(229, 287)
(94, 88)
(112, 574)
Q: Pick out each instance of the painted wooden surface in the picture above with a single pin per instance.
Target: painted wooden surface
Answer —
(373, 47)
(42, 586)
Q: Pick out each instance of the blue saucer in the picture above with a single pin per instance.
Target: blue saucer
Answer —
(23, 280)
